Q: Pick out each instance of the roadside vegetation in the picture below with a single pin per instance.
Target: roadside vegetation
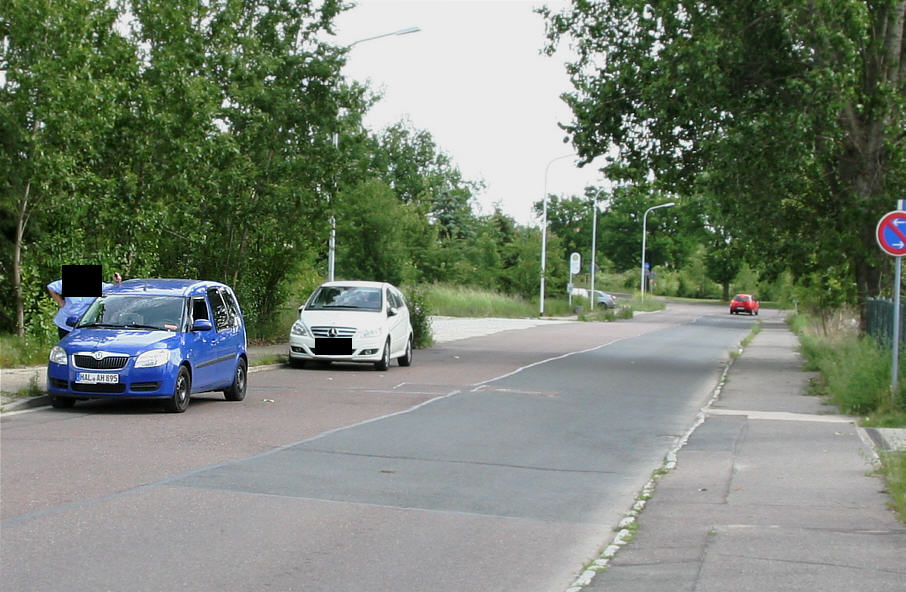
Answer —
(855, 370)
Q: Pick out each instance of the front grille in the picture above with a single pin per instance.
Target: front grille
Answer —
(340, 331)
(99, 388)
(110, 362)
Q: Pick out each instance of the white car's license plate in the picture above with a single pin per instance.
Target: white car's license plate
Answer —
(97, 378)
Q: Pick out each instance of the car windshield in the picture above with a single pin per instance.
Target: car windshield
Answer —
(346, 298)
(116, 311)
(742, 298)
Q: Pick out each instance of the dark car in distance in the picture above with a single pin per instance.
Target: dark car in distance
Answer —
(161, 339)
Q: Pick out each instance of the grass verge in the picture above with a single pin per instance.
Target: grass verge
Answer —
(23, 351)
(893, 469)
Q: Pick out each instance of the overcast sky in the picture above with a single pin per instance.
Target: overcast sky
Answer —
(475, 79)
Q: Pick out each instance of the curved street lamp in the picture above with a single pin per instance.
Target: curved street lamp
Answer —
(644, 232)
(544, 229)
(405, 31)
(332, 241)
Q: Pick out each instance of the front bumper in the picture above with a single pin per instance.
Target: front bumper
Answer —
(362, 350)
(130, 382)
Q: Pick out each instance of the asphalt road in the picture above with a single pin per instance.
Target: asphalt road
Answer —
(500, 462)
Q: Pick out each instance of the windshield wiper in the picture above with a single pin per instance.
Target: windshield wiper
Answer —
(99, 325)
(137, 326)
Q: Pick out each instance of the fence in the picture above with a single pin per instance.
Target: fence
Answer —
(879, 320)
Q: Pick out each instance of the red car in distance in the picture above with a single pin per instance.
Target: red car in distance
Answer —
(744, 303)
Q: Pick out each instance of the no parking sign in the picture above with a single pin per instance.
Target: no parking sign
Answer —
(891, 233)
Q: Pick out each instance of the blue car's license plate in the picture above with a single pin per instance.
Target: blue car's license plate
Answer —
(97, 378)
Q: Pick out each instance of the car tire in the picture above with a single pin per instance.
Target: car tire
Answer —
(61, 402)
(236, 391)
(182, 390)
(406, 358)
(384, 362)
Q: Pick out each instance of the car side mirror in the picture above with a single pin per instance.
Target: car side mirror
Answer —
(392, 312)
(71, 321)
(202, 325)
(301, 308)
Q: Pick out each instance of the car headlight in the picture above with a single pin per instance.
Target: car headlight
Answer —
(153, 358)
(58, 355)
(370, 332)
(299, 329)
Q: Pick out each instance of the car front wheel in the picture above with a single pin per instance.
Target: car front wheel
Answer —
(406, 358)
(384, 362)
(61, 402)
(179, 402)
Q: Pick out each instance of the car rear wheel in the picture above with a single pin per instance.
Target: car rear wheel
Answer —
(179, 402)
(384, 362)
(406, 358)
(236, 391)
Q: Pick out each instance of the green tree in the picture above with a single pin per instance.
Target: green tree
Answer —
(672, 233)
(789, 113)
(570, 218)
(374, 235)
(419, 172)
(66, 71)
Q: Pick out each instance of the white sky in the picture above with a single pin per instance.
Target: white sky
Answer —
(475, 79)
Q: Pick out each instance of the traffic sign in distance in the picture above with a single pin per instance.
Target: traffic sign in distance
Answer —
(575, 263)
(891, 233)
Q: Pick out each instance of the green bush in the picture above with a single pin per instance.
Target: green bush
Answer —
(855, 371)
(420, 317)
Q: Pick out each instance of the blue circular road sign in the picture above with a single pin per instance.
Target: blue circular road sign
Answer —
(891, 233)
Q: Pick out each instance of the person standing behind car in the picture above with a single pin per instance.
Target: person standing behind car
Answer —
(72, 306)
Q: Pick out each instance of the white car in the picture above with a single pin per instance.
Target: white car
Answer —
(364, 322)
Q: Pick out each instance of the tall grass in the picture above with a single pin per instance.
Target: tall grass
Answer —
(460, 301)
(28, 351)
(893, 468)
(855, 370)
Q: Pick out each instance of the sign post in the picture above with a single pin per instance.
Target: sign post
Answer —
(575, 264)
(891, 234)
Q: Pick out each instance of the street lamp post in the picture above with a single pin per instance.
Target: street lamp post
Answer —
(644, 233)
(544, 229)
(594, 236)
(332, 242)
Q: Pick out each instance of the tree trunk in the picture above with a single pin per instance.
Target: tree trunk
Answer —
(863, 170)
(21, 221)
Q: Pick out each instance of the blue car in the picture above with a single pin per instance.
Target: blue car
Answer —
(153, 339)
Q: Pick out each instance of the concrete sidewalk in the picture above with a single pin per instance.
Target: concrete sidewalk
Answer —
(773, 491)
